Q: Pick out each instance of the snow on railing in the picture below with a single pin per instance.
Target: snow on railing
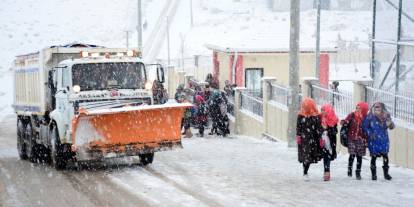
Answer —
(250, 101)
(341, 101)
(401, 107)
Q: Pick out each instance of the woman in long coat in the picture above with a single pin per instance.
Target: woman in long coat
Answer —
(376, 126)
(329, 122)
(308, 134)
(357, 140)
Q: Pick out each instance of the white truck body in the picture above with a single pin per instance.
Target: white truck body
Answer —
(58, 92)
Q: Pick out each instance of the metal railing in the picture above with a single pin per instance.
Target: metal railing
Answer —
(230, 105)
(401, 107)
(342, 101)
(279, 94)
(251, 103)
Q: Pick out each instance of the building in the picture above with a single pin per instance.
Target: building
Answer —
(245, 67)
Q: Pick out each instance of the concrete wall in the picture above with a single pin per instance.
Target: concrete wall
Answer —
(402, 146)
(249, 125)
(277, 122)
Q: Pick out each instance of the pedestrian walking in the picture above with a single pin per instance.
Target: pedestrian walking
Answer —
(159, 93)
(329, 122)
(179, 95)
(376, 126)
(357, 140)
(215, 112)
(308, 135)
(201, 114)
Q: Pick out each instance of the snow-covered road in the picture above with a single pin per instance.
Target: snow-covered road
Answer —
(212, 171)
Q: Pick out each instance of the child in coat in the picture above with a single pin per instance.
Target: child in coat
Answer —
(376, 126)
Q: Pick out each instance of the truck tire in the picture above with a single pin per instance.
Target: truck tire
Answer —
(21, 146)
(30, 143)
(146, 159)
(57, 157)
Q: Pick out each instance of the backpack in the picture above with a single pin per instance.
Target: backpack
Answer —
(345, 131)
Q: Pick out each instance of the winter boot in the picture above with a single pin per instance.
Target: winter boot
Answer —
(326, 176)
(386, 175)
(374, 173)
(349, 171)
(358, 174)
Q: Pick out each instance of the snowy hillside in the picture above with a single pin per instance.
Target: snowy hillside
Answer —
(28, 25)
(251, 24)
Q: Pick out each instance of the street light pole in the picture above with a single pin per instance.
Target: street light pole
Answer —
(168, 41)
(318, 40)
(139, 27)
(294, 70)
(191, 12)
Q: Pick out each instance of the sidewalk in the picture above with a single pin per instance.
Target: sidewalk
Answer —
(246, 171)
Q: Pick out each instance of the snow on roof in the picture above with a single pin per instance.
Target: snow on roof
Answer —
(253, 49)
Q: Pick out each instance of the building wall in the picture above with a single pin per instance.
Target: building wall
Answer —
(273, 64)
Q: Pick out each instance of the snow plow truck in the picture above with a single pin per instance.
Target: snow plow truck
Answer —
(80, 103)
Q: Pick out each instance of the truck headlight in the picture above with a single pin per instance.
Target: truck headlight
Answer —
(76, 88)
(148, 85)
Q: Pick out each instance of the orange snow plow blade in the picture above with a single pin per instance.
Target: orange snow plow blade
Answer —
(127, 131)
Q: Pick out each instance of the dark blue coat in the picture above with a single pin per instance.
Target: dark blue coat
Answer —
(377, 133)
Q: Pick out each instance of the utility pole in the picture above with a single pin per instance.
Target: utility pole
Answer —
(318, 40)
(168, 41)
(127, 39)
(294, 70)
(139, 27)
(191, 12)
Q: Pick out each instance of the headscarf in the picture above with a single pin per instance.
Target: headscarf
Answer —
(329, 118)
(199, 99)
(384, 112)
(308, 108)
(363, 106)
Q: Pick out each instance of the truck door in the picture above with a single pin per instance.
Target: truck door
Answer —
(62, 96)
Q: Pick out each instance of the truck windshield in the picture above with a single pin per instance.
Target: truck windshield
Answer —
(106, 76)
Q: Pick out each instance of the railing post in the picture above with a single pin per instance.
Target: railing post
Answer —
(237, 106)
(307, 86)
(181, 77)
(171, 81)
(360, 92)
(267, 90)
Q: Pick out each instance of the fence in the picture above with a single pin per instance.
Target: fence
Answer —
(252, 103)
(230, 105)
(341, 101)
(401, 107)
(279, 94)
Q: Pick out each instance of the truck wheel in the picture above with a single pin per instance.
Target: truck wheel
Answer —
(56, 153)
(146, 158)
(30, 143)
(21, 146)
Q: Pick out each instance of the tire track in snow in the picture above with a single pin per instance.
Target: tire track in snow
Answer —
(102, 191)
(192, 192)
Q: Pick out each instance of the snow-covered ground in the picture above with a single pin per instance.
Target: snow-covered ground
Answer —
(245, 171)
(211, 171)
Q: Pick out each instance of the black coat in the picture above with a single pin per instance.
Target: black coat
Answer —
(310, 130)
(332, 132)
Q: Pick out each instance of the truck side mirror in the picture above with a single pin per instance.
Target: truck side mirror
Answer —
(160, 74)
(50, 82)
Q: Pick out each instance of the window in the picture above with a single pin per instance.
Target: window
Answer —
(253, 79)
